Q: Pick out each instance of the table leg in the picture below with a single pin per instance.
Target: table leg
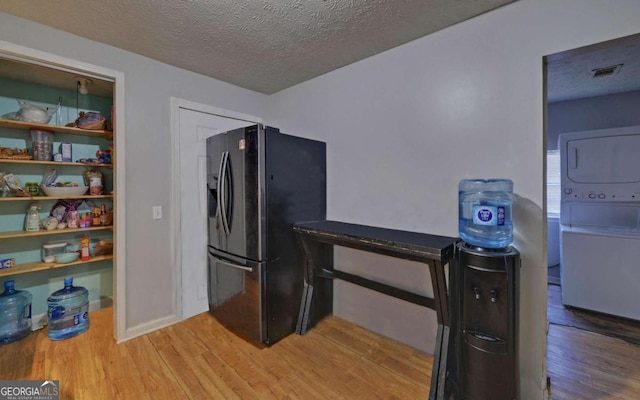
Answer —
(317, 296)
(444, 356)
(439, 371)
(307, 291)
(305, 309)
(440, 292)
(435, 370)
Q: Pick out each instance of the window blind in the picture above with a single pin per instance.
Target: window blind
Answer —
(553, 182)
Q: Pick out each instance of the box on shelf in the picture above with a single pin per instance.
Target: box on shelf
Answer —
(65, 151)
(101, 248)
(7, 263)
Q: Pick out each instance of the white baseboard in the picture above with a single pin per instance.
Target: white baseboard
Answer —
(150, 326)
(39, 321)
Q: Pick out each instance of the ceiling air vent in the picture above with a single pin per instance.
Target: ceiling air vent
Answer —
(605, 71)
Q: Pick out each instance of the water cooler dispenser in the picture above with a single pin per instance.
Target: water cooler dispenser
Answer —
(484, 287)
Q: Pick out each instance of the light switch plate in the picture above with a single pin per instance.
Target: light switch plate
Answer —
(157, 212)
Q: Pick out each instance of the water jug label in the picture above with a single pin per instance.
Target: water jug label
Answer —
(80, 318)
(60, 318)
(488, 215)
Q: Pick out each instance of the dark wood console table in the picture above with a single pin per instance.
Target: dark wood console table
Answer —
(317, 239)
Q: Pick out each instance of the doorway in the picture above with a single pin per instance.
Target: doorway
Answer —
(193, 124)
(590, 88)
(53, 71)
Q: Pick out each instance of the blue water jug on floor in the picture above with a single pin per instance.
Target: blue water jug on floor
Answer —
(15, 313)
(484, 216)
(68, 311)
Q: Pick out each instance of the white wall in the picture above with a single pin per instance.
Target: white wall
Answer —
(403, 127)
(151, 276)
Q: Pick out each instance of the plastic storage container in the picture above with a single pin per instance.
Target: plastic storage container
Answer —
(68, 311)
(42, 145)
(15, 313)
(484, 218)
(49, 250)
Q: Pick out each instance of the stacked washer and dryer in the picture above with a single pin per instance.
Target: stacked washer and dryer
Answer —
(600, 220)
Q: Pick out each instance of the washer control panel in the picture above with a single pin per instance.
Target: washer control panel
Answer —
(601, 194)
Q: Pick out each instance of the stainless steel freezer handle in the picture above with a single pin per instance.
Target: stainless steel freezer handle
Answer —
(230, 264)
(222, 181)
(219, 188)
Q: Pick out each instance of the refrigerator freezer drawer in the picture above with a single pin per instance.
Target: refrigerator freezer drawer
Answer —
(236, 295)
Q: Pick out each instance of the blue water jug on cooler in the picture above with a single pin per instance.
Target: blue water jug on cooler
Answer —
(484, 218)
(15, 313)
(68, 311)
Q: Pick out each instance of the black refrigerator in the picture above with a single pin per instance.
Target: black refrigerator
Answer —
(260, 182)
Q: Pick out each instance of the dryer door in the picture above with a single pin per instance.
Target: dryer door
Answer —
(605, 159)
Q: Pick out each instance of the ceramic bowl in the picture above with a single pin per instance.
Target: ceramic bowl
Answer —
(64, 191)
(64, 258)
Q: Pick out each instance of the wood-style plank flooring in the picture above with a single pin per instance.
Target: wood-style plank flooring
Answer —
(200, 359)
(591, 356)
(590, 366)
(608, 325)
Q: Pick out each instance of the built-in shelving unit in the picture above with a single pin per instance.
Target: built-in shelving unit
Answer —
(40, 266)
(31, 84)
(23, 268)
(7, 123)
(21, 234)
(73, 164)
(43, 198)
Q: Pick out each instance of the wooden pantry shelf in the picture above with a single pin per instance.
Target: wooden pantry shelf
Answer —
(44, 198)
(74, 164)
(19, 234)
(40, 266)
(7, 123)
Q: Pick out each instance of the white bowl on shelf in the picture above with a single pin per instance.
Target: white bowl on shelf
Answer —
(65, 258)
(64, 190)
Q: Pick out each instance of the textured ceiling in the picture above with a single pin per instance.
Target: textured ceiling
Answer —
(262, 45)
(570, 74)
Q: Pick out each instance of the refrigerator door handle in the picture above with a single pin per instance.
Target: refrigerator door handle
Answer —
(230, 264)
(222, 182)
(228, 192)
(219, 187)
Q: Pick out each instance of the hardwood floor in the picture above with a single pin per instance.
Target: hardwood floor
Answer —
(200, 359)
(608, 325)
(589, 355)
(590, 366)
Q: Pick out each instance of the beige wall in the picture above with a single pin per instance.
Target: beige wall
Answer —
(405, 126)
(402, 129)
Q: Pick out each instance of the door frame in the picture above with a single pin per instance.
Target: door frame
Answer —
(53, 61)
(177, 245)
